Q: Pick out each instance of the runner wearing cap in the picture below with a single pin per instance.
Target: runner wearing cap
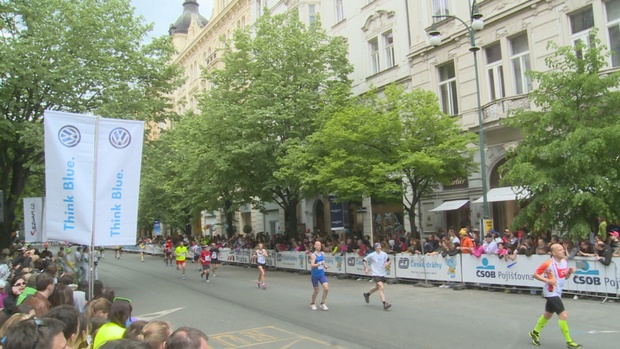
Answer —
(378, 261)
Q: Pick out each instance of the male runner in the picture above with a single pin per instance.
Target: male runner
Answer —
(378, 260)
(205, 260)
(317, 272)
(215, 255)
(181, 255)
(554, 273)
(168, 252)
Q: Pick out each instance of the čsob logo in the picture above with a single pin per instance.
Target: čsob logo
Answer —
(583, 268)
(279, 257)
(69, 136)
(120, 138)
(485, 270)
(351, 261)
(403, 263)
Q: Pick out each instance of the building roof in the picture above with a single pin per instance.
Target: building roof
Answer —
(190, 8)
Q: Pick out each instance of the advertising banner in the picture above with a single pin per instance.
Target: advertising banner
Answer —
(33, 220)
(436, 268)
(69, 179)
(92, 177)
(119, 159)
(291, 260)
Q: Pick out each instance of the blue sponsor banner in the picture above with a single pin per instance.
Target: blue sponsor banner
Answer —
(339, 213)
(156, 228)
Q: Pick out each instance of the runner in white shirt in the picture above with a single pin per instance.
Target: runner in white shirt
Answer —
(261, 261)
(553, 273)
(378, 261)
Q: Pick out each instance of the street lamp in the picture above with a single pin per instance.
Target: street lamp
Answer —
(476, 23)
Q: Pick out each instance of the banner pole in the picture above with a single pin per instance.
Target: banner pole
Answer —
(91, 263)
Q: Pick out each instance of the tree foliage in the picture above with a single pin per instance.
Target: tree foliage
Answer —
(271, 94)
(569, 156)
(77, 56)
(399, 147)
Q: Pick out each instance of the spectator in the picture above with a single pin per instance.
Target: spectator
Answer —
(155, 334)
(603, 253)
(62, 294)
(16, 287)
(527, 247)
(36, 334)
(570, 249)
(187, 338)
(11, 322)
(478, 250)
(613, 243)
(466, 244)
(501, 251)
(120, 312)
(39, 301)
(585, 249)
(414, 246)
(70, 318)
(134, 329)
(490, 245)
(541, 247)
(99, 307)
(31, 287)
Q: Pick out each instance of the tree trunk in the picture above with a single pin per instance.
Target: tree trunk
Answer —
(290, 218)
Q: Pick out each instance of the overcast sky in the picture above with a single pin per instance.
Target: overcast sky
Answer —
(162, 13)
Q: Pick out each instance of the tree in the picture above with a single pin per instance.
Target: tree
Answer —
(397, 147)
(568, 158)
(77, 56)
(271, 94)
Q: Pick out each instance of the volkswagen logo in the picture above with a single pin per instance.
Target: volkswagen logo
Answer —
(69, 136)
(120, 138)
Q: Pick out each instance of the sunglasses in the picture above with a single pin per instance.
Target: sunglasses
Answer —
(122, 299)
(17, 284)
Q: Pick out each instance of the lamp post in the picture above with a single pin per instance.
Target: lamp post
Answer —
(476, 23)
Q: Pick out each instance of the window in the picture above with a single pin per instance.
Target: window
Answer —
(388, 42)
(495, 71)
(520, 58)
(339, 11)
(312, 12)
(580, 24)
(447, 89)
(374, 56)
(223, 4)
(441, 8)
(613, 28)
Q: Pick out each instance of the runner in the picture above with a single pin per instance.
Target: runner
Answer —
(554, 273)
(196, 250)
(215, 255)
(317, 271)
(378, 260)
(181, 255)
(142, 250)
(168, 252)
(205, 260)
(261, 260)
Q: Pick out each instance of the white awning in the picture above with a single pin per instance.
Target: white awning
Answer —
(505, 194)
(450, 205)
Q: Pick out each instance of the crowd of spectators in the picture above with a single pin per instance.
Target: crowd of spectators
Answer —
(46, 307)
(507, 245)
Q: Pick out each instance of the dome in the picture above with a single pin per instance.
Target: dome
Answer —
(190, 8)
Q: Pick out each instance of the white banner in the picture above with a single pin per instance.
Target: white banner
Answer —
(355, 265)
(291, 260)
(119, 156)
(69, 169)
(333, 261)
(86, 158)
(437, 268)
(33, 220)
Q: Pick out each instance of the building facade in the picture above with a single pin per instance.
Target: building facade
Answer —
(389, 43)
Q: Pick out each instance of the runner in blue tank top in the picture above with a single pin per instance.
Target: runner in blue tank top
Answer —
(317, 270)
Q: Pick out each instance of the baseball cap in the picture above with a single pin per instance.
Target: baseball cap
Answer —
(615, 233)
(463, 232)
(377, 244)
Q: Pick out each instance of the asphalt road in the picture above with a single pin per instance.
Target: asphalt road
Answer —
(236, 314)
